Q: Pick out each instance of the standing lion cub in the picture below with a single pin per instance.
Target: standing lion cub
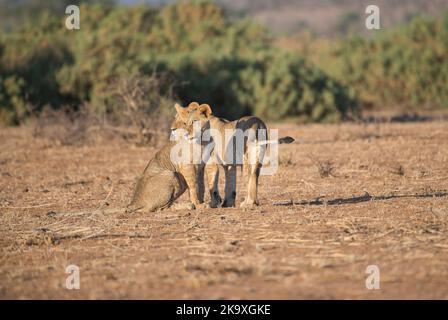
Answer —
(251, 132)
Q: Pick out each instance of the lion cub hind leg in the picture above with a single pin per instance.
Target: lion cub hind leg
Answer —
(252, 186)
(183, 206)
(253, 160)
(157, 192)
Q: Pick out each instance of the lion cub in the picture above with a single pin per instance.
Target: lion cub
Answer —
(225, 153)
(164, 180)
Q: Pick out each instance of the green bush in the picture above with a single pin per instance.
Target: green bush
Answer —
(285, 86)
(406, 66)
(14, 108)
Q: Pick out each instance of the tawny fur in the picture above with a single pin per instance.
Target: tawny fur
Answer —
(163, 181)
(251, 168)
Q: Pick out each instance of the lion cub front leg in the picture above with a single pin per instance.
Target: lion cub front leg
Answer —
(190, 174)
(200, 170)
(212, 173)
(230, 186)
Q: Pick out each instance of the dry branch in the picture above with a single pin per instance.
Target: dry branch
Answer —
(357, 199)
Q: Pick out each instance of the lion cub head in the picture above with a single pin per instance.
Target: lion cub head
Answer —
(191, 122)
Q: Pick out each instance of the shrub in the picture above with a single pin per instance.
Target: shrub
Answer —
(286, 86)
(406, 66)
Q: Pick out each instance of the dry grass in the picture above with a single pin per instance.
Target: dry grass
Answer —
(312, 237)
(139, 115)
(83, 128)
(325, 168)
(286, 159)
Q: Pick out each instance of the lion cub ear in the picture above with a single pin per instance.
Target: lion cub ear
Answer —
(193, 105)
(180, 110)
(205, 110)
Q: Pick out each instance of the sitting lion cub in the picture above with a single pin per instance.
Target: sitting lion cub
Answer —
(165, 180)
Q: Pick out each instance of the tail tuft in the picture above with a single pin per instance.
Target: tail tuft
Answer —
(286, 140)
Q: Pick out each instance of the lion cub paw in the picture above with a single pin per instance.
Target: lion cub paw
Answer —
(249, 204)
(201, 206)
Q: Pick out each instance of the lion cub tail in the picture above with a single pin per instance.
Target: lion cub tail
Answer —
(286, 139)
(282, 140)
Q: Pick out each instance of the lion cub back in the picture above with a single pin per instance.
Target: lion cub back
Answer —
(159, 185)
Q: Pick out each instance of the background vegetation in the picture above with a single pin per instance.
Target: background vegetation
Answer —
(406, 66)
(195, 51)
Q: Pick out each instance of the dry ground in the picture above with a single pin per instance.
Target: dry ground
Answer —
(364, 195)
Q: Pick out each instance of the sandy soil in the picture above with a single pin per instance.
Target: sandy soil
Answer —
(345, 197)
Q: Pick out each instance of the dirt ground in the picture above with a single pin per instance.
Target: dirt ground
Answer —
(344, 197)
